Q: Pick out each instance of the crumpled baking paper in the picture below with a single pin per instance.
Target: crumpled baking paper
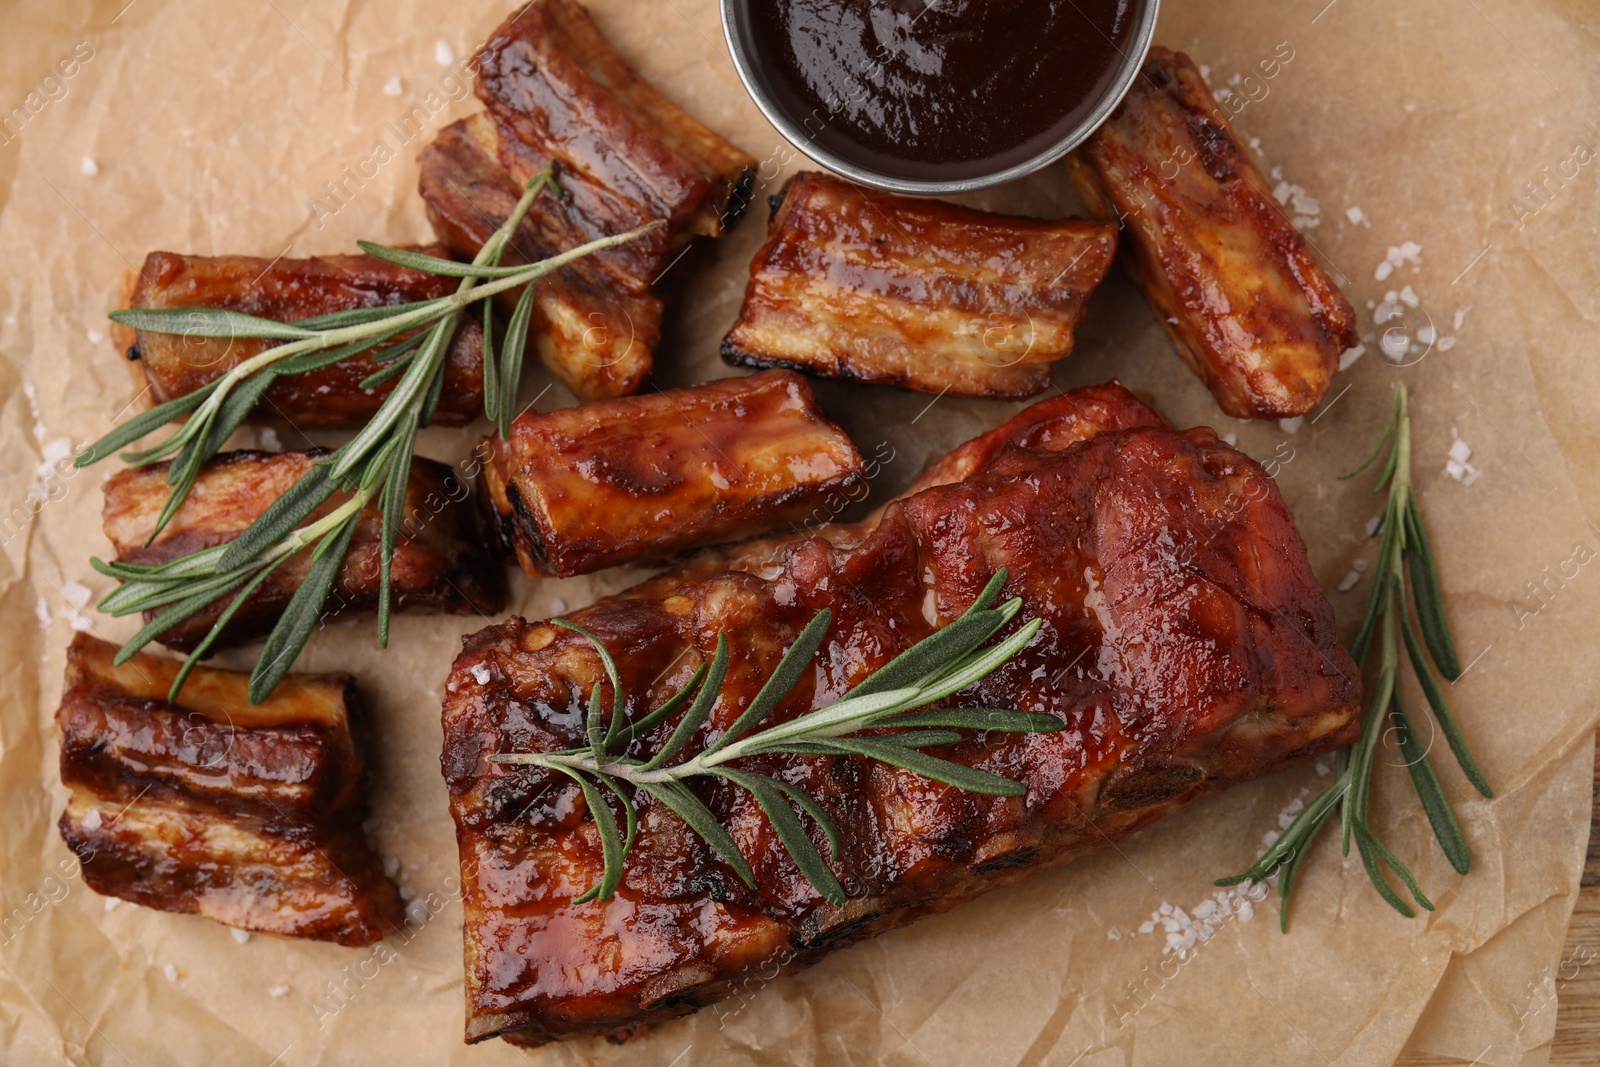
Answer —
(1440, 157)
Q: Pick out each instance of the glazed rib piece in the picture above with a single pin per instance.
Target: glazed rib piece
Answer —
(638, 478)
(247, 814)
(287, 290)
(1230, 279)
(920, 294)
(440, 564)
(1185, 645)
(558, 94)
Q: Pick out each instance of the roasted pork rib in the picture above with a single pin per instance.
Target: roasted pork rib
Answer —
(247, 814)
(440, 563)
(930, 296)
(638, 478)
(558, 94)
(286, 290)
(1186, 646)
(1230, 279)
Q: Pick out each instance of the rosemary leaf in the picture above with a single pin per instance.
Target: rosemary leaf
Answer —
(300, 617)
(638, 729)
(449, 268)
(610, 839)
(208, 322)
(783, 678)
(999, 720)
(824, 821)
(685, 805)
(787, 826)
(950, 644)
(1430, 600)
(512, 348)
(1429, 791)
(338, 320)
(610, 666)
(954, 774)
(595, 726)
(699, 710)
(1441, 712)
(143, 423)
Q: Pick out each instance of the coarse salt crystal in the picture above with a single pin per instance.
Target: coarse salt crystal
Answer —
(91, 821)
(417, 912)
(1247, 911)
(1231, 438)
(81, 623)
(481, 673)
(1426, 335)
(77, 594)
(393, 87)
(391, 866)
(1348, 358)
(1384, 270)
(171, 972)
(112, 902)
(1292, 425)
(240, 936)
(1460, 451)
(1147, 927)
(408, 892)
(1113, 934)
(1372, 524)
(1461, 316)
(1395, 345)
(277, 992)
(89, 167)
(443, 54)
(1356, 216)
(1348, 582)
(1204, 908)
(270, 439)
(1408, 297)
(1360, 565)
(557, 605)
(95, 336)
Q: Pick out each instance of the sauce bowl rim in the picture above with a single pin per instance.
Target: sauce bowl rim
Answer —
(1132, 61)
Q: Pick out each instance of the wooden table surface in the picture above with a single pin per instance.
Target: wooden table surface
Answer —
(1577, 1039)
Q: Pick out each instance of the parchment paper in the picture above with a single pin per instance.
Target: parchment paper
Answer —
(211, 127)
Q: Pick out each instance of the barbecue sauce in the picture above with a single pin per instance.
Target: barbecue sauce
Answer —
(938, 91)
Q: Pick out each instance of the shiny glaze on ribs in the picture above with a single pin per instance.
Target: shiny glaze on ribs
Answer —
(440, 564)
(1186, 647)
(1228, 276)
(616, 481)
(247, 814)
(559, 95)
(920, 294)
(286, 290)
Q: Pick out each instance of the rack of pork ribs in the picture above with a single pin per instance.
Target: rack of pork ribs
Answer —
(1186, 646)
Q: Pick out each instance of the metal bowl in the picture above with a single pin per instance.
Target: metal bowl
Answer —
(737, 34)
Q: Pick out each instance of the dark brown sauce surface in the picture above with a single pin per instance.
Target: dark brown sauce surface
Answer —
(937, 91)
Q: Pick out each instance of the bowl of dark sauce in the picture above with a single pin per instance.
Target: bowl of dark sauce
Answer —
(937, 97)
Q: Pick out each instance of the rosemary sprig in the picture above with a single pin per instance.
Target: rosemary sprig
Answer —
(1405, 550)
(938, 666)
(374, 467)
